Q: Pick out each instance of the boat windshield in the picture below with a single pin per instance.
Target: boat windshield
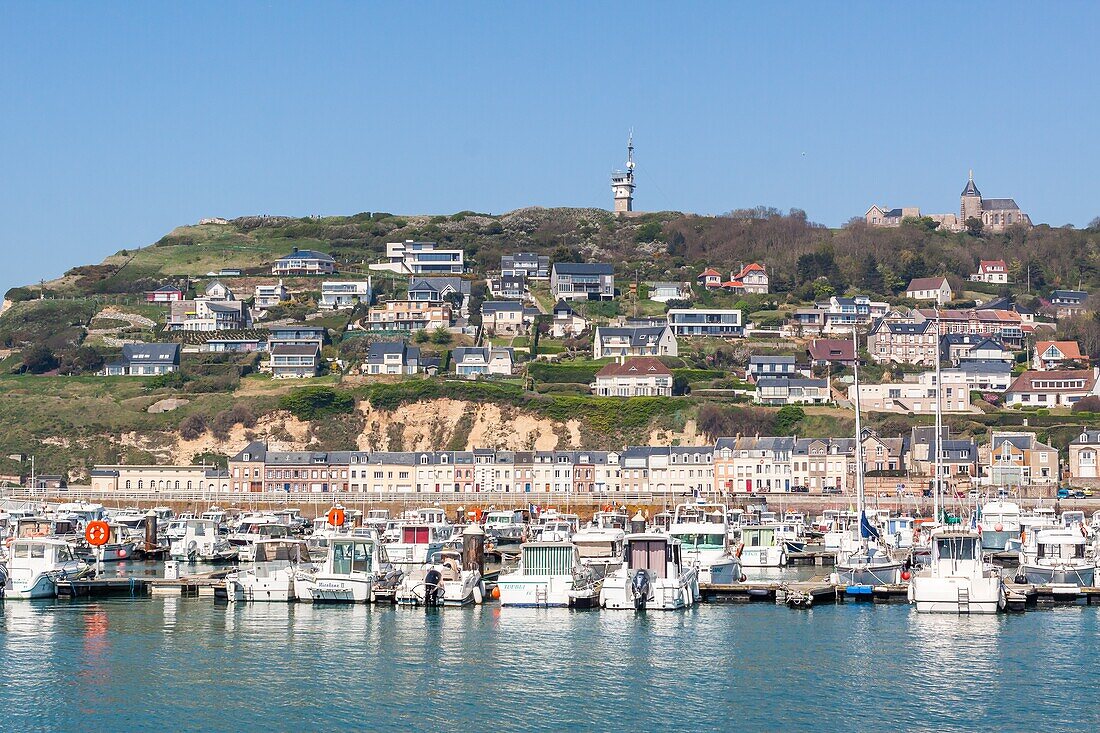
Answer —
(274, 551)
(350, 557)
(596, 549)
(1065, 552)
(956, 548)
(758, 537)
(702, 541)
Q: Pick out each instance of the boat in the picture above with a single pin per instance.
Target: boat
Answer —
(652, 577)
(861, 561)
(554, 531)
(441, 582)
(545, 575)
(418, 542)
(252, 529)
(898, 532)
(506, 527)
(760, 547)
(704, 542)
(1057, 556)
(120, 545)
(35, 564)
(200, 542)
(999, 523)
(349, 573)
(957, 580)
(271, 571)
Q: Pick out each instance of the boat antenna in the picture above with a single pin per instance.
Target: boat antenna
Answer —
(859, 441)
(938, 428)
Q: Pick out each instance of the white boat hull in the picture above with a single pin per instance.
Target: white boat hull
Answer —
(763, 557)
(277, 587)
(334, 589)
(534, 590)
(665, 594)
(40, 585)
(1083, 575)
(960, 595)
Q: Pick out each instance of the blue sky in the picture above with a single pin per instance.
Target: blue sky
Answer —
(121, 121)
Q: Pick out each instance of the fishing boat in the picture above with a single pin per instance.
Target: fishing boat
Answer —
(418, 542)
(1058, 556)
(120, 545)
(506, 527)
(861, 560)
(898, 532)
(544, 576)
(35, 564)
(999, 523)
(652, 577)
(441, 582)
(252, 529)
(957, 580)
(760, 547)
(271, 571)
(200, 542)
(704, 542)
(349, 573)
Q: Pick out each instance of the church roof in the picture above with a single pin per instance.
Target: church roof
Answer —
(971, 189)
(999, 205)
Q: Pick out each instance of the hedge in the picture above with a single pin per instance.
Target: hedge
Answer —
(563, 373)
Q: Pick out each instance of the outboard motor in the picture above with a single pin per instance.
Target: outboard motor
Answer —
(639, 587)
(432, 587)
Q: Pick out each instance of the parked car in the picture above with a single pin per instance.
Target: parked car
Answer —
(800, 489)
(830, 490)
(1064, 493)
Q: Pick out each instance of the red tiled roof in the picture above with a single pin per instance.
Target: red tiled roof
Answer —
(710, 272)
(991, 264)
(1026, 381)
(831, 350)
(1069, 349)
(925, 283)
(636, 366)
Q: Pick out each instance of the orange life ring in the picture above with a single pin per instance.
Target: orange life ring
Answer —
(336, 516)
(97, 533)
(9, 542)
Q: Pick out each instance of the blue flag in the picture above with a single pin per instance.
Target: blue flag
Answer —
(865, 529)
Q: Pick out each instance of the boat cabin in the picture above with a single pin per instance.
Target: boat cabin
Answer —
(350, 556)
(656, 553)
(278, 553)
(758, 536)
(954, 546)
(548, 558)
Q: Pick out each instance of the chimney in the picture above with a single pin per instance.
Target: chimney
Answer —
(294, 251)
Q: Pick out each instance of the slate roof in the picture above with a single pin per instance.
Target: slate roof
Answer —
(583, 268)
(307, 254)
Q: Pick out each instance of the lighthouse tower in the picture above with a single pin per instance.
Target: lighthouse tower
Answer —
(622, 184)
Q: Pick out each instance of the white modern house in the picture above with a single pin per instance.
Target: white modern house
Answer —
(425, 258)
(720, 322)
(345, 294)
(477, 361)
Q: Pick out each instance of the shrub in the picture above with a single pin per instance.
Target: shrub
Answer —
(193, 426)
(85, 360)
(1087, 404)
(310, 403)
(38, 359)
(563, 373)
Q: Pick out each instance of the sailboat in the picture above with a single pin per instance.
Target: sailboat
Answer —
(957, 579)
(860, 559)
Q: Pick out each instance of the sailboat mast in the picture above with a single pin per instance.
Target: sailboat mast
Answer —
(939, 427)
(859, 431)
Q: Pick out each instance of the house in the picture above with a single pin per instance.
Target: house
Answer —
(144, 360)
(636, 376)
(721, 322)
(582, 281)
(476, 361)
(957, 348)
(634, 341)
(771, 366)
(745, 464)
(751, 279)
(407, 315)
(1005, 325)
(788, 391)
(392, 357)
(836, 352)
(884, 216)
(217, 290)
(1053, 388)
(986, 376)
(304, 262)
(526, 265)
(567, 322)
(424, 258)
(882, 454)
(453, 290)
(662, 292)
(1084, 451)
(897, 341)
(241, 345)
(709, 278)
(930, 288)
(266, 296)
(917, 397)
(957, 457)
(1053, 354)
(208, 315)
(837, 316)
(1068, 303)
(991, 271)
(345, 294)
(508, 286)
(164, 294)
(295, 334)
(294, 360)
(503, 317)
(823, 463)
(1019, 459)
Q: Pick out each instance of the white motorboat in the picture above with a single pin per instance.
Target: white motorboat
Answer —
(35, 564)
(957, 579)
(271, 571)
(1058, 556)
(506, 527)
(252, 529)
(418, 542)
(545, 575)
(898, 532)
(704, 542)
(652, 577)
(760, 547)
(441, 582)
(555, 531)
(999, 523)
(348, 574)
(599, 553)
(120, 545)
(200, 542)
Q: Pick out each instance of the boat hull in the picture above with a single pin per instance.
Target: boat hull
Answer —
(534, 590)
(885, 574)
(41, 585)
(334, 589)
(665, 594)
(1083, 576)
(763, 557)
(957, 595)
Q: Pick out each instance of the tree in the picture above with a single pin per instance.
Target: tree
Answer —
(310, 403)
(441, 336)
(421, 336)
(85, 360)
(38, 359)
(1087, 404)
(870, 278)
(193, 426)
(974, 226)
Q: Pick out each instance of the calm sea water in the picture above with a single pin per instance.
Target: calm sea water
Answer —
(188, 664)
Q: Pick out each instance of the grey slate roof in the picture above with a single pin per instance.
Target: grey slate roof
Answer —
(501, 306)
(307, 254)
(999, 205)
(583, 268)
(151, 353)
